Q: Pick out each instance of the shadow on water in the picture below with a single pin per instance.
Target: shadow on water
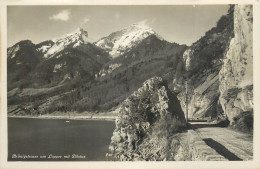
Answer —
(221, 150)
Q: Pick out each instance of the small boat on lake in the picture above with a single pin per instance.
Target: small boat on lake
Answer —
(68, 121)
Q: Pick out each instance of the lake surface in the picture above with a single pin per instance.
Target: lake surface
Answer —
(54, 139)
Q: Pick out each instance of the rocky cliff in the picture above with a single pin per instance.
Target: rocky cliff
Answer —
(218, 70)
(236, 75)
(199, 68)
(145, 122)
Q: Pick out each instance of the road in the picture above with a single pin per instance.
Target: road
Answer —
(233, 145)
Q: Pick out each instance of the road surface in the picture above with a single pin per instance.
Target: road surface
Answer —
(233, 145)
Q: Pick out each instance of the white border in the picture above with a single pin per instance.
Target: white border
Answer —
(4, 164)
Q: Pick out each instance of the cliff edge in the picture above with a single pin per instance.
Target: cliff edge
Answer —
(236, 74)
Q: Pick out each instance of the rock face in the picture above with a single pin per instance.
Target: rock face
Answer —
(201, 63)
(146, 120)
(236, 75)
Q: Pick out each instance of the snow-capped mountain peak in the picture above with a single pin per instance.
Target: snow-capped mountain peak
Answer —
(120, 42)
(76, 38)
(78, 34)
(140, 27)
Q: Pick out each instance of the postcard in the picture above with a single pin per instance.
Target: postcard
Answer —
(129, 84)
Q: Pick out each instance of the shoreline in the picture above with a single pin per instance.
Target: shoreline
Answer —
(86, 117)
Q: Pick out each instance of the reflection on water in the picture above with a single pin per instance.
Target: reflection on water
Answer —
(54, 139)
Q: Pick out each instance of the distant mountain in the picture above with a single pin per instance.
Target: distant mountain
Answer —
(150, 48)
(119, 42)
(124, 74)
(22, 58)
(55, 61)
(76, 38)
(72, 62)
(82, 76)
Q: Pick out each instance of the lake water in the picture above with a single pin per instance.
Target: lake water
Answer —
(54, 139)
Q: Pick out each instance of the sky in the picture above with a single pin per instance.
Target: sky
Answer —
(183, 24)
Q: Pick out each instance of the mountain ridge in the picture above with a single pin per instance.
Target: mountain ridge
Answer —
(119, 42)
(61, 52)
(76, 38)
(79, 69)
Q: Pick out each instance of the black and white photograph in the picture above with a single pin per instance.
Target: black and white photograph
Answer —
(114, 83)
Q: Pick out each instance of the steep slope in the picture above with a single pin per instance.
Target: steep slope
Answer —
(126, 73)
(151, 48)
(55, 68)
(72, 62)
(199, 68)
(149, 58)
(77, 78)
(122, 41)
(56, 61)
(236, 75)
(145, 121)
(22, 58)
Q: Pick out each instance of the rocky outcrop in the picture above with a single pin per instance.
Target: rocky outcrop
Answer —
(201, 64)
(236, 75)
(145, 121)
